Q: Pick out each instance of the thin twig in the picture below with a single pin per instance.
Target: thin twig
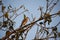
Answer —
(50, 9)
(19, 14)
(47, 6)
(50, 3)
(57, 24)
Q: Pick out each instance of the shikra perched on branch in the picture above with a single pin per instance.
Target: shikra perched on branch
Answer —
(24, 21)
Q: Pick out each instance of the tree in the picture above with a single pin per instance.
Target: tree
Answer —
(22, 31)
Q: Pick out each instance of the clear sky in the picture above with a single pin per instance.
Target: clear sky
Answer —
(32, 6)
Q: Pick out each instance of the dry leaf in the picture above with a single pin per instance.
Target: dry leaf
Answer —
(5, 24)
(8, 33)
(3, 38)
(54, 28)
(47, 18)
(6, 15)
(58, 13)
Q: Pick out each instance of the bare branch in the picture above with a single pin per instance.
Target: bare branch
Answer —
(50, 9)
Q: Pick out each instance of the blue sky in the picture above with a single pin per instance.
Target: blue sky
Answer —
(32, 6)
